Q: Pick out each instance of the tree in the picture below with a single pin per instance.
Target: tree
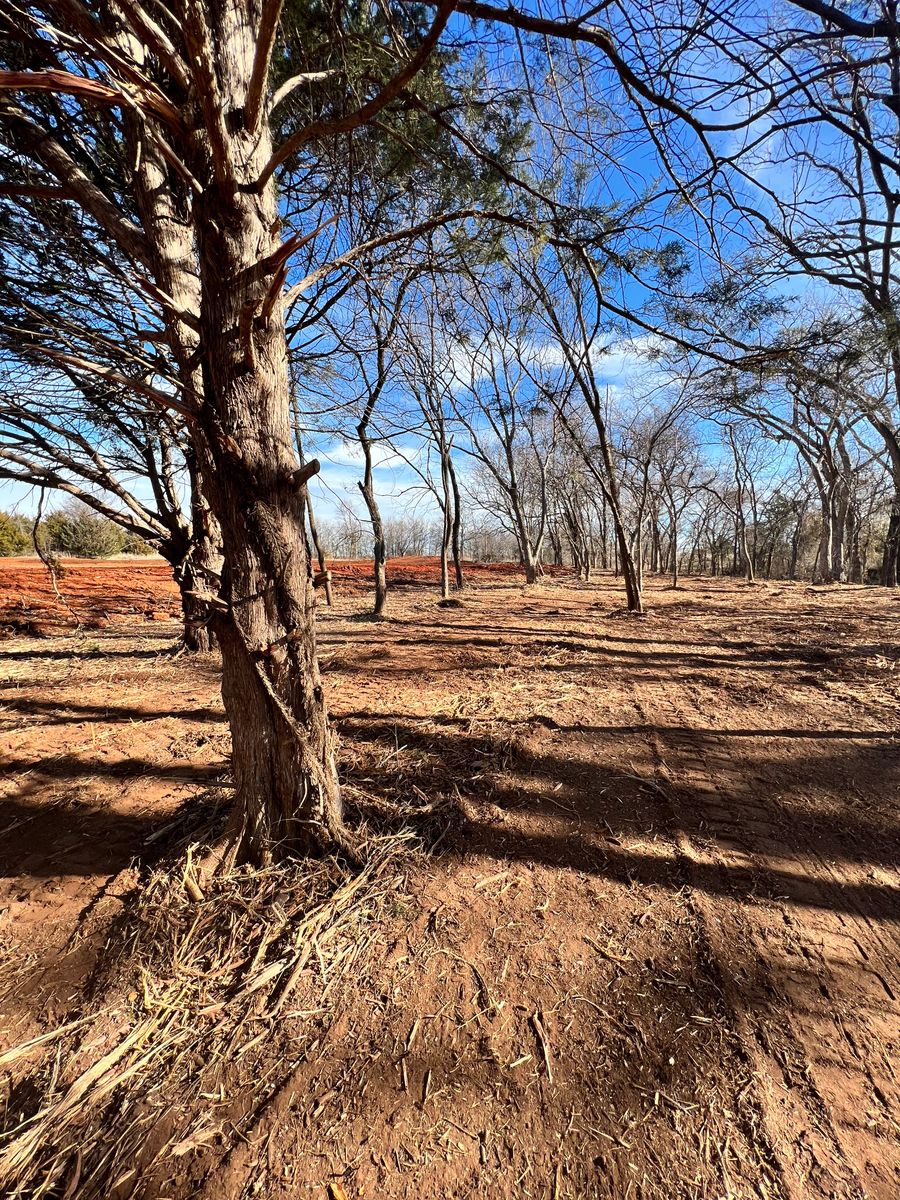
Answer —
(819, 431)
(570, 299)
(159, 126)
(15, 537)
(366, 341)
(426, 374)
(483, 377)
(77, 530)
(86, 439)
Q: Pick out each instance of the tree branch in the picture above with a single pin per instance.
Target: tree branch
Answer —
(147, 99)
(390, 91)
(265, 40)
(37, 143)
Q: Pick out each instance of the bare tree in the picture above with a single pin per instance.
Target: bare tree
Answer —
(483, 378)
(79, 437)
(570, 299)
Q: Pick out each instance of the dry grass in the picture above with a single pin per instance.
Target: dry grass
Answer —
(191, 985)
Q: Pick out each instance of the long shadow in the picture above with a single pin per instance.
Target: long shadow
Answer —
(451, 754)
(72, 838)
(645, 671)
(584, 820)
(70, 712)
(672, 732)
(752, 659)
(76, 653)
(70, 766)
(503, 636)
(601, 802)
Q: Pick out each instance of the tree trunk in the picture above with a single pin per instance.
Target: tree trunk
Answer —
(199, 576)
(556, 545)
(197, 636)
(310, 514)
(445, 569)
(529, 564)
(379, 546)
(890, 561)
(288, 797)
(320, 553)
(838, 539)
(195, 556)
(456, 530)
(196, 562)
(795, 543)
(826, 535)
(855, 570)
(626, 564)
(202, 567)
(674, 552)
(749, 573)
(446, 522)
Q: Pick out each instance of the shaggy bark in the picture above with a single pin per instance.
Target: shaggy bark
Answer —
(283, 755)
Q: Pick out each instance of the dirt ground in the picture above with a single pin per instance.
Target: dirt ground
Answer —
(96, 592)
(637, 934)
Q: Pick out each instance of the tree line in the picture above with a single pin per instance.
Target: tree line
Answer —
(73, 529)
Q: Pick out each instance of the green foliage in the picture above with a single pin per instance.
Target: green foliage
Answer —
(79, 531)
(15, 535)
(137, 545)
(410, 163)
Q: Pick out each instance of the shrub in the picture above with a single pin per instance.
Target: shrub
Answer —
(77, 530)
(137, 545)
(15, 535)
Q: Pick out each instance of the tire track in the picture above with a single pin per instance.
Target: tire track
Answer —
(808, 968)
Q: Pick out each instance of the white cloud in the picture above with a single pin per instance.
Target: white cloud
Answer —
(394, 456)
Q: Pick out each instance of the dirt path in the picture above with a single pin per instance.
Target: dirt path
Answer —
(734, 770)
(817, 1001)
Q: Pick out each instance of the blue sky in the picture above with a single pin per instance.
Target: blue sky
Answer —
(620, 172)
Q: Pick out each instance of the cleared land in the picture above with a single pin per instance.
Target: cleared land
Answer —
(643, 942)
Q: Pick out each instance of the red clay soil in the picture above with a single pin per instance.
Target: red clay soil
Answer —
(648, 951)
(143, 589)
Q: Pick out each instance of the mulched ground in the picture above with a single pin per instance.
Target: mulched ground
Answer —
(631, 930)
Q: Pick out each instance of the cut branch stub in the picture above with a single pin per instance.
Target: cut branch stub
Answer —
(213, 602)
(302, 476)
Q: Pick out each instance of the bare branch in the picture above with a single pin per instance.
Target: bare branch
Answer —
(265, 40)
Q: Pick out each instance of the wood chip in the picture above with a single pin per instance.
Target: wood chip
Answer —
(542, 1042)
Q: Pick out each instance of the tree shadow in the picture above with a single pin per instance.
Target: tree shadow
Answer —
(588, 809)
(69, 712)
(76, 836)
